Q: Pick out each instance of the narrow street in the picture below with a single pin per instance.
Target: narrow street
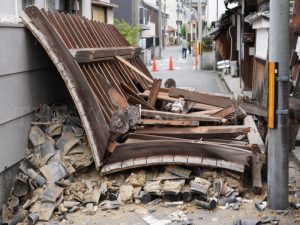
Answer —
(184, 73)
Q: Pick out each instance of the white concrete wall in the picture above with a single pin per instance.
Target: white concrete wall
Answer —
(110, 16)
(87, 9)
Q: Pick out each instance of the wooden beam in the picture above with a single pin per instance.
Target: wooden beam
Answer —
(87, 55)
(177, 116)
(135, 97)
(173, 147)
(134, 68)
(168, 122)
(196, 132)
(232, 143)
(160, 96)
(217, 100)
(133, 100)
(154, 91)
(254, 138)
(161, 159)
(258, 147)
(225, 112)
(206, 112)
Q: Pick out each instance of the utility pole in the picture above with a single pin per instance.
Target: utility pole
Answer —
(217, 10)
(200, 31)
(191, 22)
(159, 28)
(178, 26)
(278, 140)
(164, 24)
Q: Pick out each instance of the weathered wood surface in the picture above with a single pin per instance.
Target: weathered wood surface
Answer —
(180, 122)
(225, 112)
(135, 97)
(254, 138)
(87, 55)
(133, 100)
(170, 160)
(154, 91)
(257, 164)
(196, 132)
(217, 100)
(173, 147)
(132, 137)
(258, 147)
(176, 116)
(134, 69)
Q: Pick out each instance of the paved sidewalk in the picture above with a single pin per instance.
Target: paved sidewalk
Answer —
(185, 75)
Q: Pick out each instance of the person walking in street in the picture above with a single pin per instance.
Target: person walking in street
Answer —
(184, 48)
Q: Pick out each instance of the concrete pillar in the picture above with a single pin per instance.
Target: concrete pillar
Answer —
(87, 8)
(278, 160)
(135, 12)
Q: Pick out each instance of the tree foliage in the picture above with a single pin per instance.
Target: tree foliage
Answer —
(183, 31)
(131, 33)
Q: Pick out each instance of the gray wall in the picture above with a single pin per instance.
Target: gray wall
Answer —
(27, 79)
(8, 7)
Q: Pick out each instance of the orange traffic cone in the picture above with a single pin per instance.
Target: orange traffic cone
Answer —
(171, 64)
(154, 65)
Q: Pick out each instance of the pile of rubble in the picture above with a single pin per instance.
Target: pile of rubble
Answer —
(48, 185)
(57, 149)
(57, 178)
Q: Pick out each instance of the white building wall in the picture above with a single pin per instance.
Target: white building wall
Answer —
(110, 16)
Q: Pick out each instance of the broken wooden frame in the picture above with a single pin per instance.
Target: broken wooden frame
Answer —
(104, 75)
(94, 86)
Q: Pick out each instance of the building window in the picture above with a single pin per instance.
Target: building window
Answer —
(26, 3)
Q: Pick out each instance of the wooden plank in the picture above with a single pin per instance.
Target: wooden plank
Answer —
(137, 101)
(257, 164)
(154, 92)
(135, 96)
(175, 147)
(134, 69)
(217, 100)
(206, 112)
(160, 96)
(176, 116)
(225, 112)
(254, 138)
(145, 137)
(196, 132)
(168, 122)
(87, 55)
(173, 160)
(258, 147)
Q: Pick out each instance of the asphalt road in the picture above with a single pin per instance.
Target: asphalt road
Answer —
(185, 74)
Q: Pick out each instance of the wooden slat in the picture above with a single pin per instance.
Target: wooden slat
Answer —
(154, 92)
(170, 160)
(196, 132)
(257, 146)
(176, 116)
(137, 101)
(134, 69)
(160, 96)
(135, 96)
(168, 122)
(216, 100)
(174, 147)
(225, 112)
(253, 136)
